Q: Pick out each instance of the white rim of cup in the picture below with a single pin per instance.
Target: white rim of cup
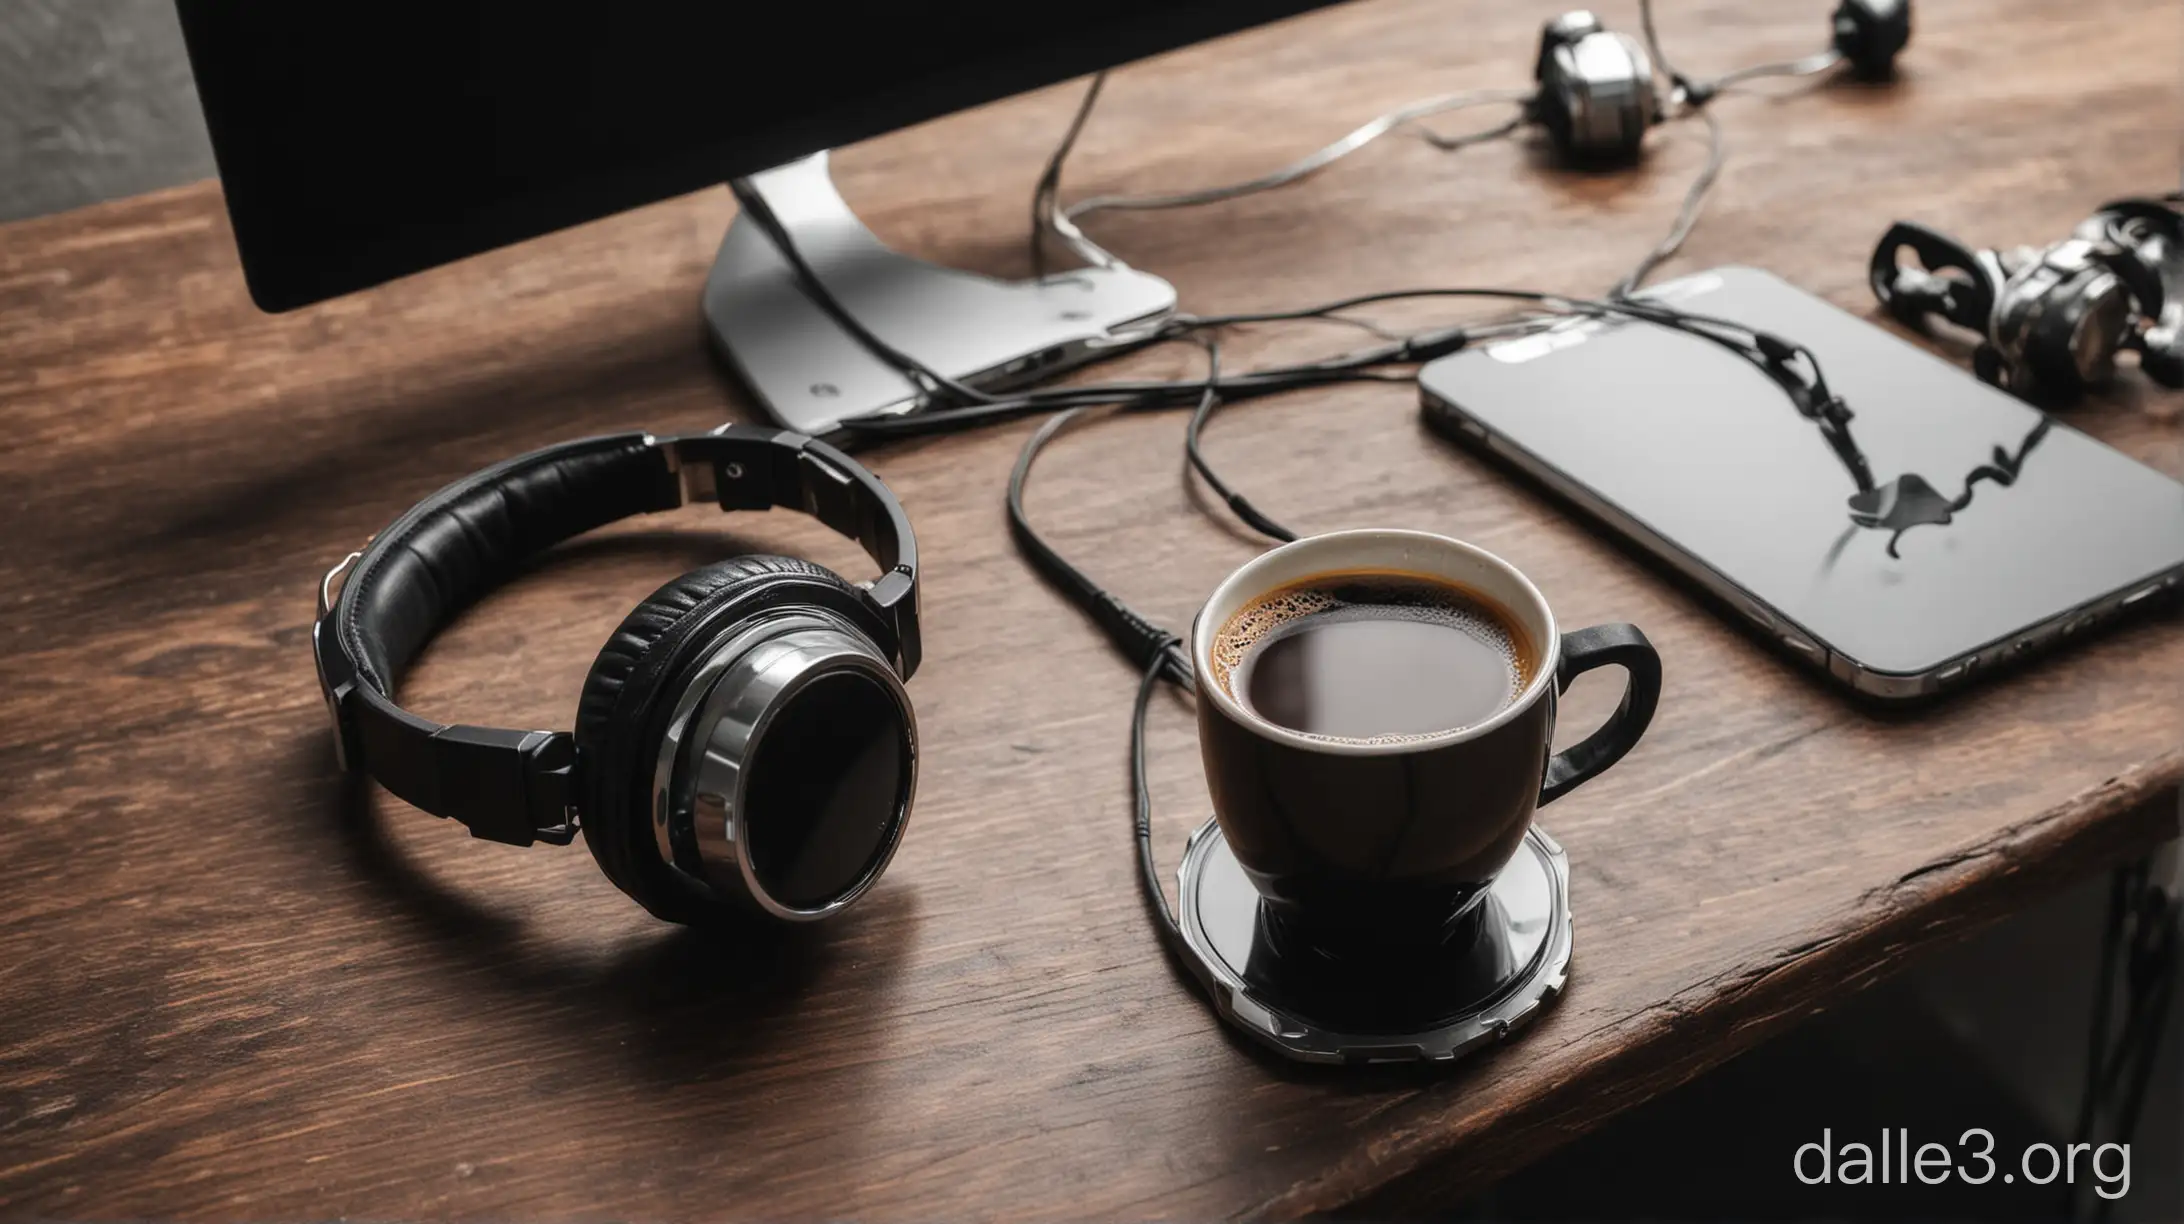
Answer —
(1203, 632)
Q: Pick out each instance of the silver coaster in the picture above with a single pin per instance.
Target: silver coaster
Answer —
(1514, 958)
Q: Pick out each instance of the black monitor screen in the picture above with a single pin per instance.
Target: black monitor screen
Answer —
(361, 142)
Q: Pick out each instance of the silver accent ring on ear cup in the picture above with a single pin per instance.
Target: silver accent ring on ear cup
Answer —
(700, 800)
(672, 754)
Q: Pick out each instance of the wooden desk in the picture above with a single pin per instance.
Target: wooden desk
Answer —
(224, 993)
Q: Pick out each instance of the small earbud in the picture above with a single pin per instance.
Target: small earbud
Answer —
(1596, 91)
(1869, 33)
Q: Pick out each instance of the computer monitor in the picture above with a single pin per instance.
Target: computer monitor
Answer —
(359, 143)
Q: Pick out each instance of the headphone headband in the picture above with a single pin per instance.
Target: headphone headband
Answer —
(470, 537)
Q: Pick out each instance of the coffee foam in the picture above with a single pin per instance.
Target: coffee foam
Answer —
(1417, 597)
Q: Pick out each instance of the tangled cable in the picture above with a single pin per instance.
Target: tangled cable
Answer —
(1691, 96)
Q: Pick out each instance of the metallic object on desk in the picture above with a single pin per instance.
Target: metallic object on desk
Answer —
(1596, 90)
(749, 700)
(1869, 33)
(1510, 957)
(744, 743)
(809, 374)
(2052, 320)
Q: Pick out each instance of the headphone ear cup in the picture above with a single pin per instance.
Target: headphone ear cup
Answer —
(628, 694)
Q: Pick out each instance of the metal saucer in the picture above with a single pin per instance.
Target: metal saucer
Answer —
(1511, 958)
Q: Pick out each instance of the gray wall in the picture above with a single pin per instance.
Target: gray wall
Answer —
(96, 101)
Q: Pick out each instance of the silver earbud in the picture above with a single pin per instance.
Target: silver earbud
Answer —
(1596, 90)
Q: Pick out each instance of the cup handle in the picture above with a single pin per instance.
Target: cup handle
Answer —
(1582, 651)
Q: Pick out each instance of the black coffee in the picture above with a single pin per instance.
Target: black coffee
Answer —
(1369, 655)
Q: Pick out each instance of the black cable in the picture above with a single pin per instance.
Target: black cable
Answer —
(1134, 396)
(1237, 503)
(1351, 367)
(1139, 640)
(930, 382)
(1156, 651)
(1559, 303)
(1145, 394)
(1141, 816)
(1807, 391)
(1790, 365)
(1539, 296)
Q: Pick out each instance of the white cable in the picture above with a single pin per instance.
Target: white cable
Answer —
(1063, 221)
(1311, 164)
(1810, 65)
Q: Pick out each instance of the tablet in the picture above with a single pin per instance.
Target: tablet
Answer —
(1695, 456)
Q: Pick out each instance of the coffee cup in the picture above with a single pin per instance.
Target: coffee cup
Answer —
(1363, 834)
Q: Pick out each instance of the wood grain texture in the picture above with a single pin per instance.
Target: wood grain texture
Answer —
(230, 987)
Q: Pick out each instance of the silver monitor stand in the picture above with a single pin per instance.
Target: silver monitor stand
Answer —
(809, 374)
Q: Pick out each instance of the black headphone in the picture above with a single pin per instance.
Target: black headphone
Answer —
(2053, 319)
(743, 742)
(1597, 94)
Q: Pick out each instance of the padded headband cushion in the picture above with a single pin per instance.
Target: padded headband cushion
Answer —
(631, 691)
(472, 536)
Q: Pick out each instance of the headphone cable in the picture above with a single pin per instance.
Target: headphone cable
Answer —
(930, 383)
(1142, 642)
(1698, 93)
(1791, 366)
(941, 393)
(1317, 160)
(1687, 213)
(1238, 504)
(1157, 651)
